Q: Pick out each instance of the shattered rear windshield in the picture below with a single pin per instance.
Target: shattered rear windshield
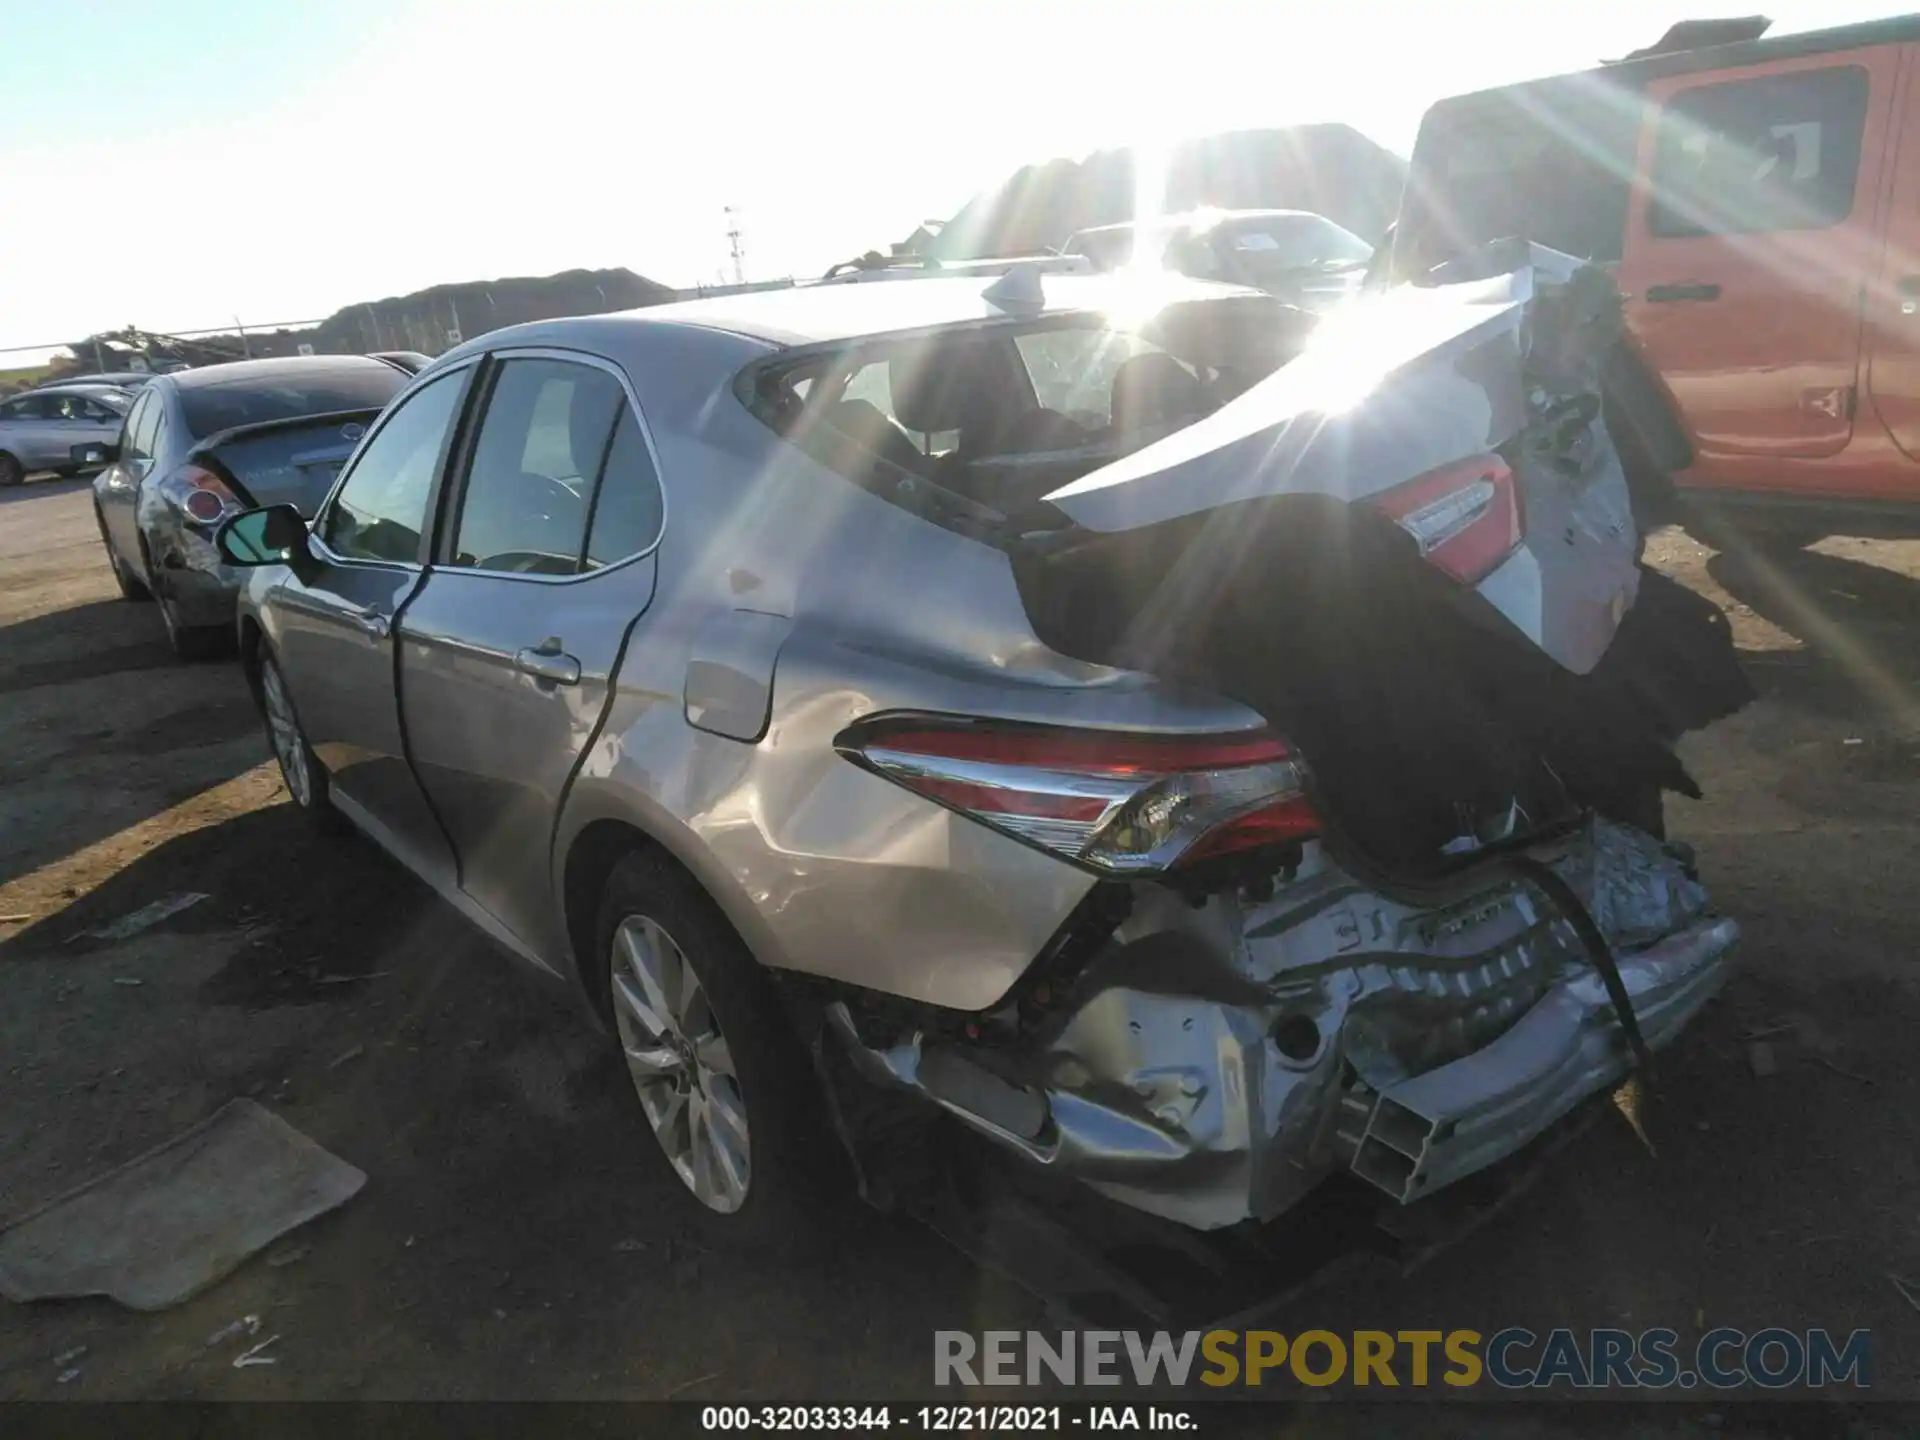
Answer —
(1002, 414)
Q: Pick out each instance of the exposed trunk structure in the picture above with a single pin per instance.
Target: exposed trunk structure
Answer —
(1432, 722)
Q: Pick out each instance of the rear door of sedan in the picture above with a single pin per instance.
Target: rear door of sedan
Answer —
(543, 566)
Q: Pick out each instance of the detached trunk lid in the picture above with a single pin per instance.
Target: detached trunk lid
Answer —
(1401, 385)
(1269, 554)
(286, 462)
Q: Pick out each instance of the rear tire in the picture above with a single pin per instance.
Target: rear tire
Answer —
(130, 588)
(769, 1161)
(12, 472)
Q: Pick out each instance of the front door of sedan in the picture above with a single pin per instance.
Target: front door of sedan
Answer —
(508, 651)
(334, 629)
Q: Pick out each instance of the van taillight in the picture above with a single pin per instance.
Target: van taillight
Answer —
(1466, 517)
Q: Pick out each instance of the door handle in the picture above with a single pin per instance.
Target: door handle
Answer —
(373, 623)
(547, 662)
(1684, 290)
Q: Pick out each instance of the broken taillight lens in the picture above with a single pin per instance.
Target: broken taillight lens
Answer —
(1465, 517)
(1120, 802)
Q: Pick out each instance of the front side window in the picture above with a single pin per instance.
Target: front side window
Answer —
(1781, 152)
(539, 450)
(380, 510)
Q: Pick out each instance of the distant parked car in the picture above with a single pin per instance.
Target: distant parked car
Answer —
(204, 444)
(1297, 255)
(110, 379)
(40, 428)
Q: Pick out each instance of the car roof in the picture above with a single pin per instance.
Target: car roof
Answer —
(829, 314)
(257, 372)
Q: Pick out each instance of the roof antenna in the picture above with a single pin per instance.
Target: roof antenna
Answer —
(1018, 289)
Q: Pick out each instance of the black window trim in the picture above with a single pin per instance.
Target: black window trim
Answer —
(142, 406)
(462, 403)
(456, 480)
(1656, 208)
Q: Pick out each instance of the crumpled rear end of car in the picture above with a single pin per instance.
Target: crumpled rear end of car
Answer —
(1414, 554)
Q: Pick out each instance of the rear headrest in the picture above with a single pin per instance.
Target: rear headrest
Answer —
(950, 388)
(1151, 389)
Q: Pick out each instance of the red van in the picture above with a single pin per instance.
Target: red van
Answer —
(1759, 201)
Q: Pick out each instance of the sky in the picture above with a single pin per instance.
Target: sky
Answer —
(179, 164)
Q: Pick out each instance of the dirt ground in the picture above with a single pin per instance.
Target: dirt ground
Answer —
(516, 1239)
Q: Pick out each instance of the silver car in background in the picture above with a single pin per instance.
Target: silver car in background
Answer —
(1064, 704)
(198, 446)
(40, 428)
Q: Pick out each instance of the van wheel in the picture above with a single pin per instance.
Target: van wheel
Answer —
(722, 1082)
(11, 471)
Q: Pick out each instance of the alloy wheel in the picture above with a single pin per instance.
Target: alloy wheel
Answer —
(289, 744)
(681, 1066)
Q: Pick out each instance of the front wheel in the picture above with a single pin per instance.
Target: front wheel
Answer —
(306, 779)
(129, 587)
(12, 472)
(721, 1078)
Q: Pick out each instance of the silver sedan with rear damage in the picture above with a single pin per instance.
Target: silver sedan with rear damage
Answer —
(1190, 748)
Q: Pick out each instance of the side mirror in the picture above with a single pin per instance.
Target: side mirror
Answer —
(273, 536)
(94, 453)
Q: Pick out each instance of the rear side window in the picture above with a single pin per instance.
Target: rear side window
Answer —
(141, 422)
(628, 511)
(210, 409)
(540, 448)
(1780, 152)
(27, 407)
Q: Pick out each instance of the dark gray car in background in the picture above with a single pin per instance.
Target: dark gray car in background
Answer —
(205, 444)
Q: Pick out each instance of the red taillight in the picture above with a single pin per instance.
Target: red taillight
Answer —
(1117, 801)
(1465, 517)
(203, 495)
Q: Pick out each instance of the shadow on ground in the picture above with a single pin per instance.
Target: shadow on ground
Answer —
(1860, 623)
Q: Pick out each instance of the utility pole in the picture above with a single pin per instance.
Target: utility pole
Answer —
(246, 346)
(735, 247)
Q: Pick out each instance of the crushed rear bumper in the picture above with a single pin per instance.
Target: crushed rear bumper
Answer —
(1213, 1066)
